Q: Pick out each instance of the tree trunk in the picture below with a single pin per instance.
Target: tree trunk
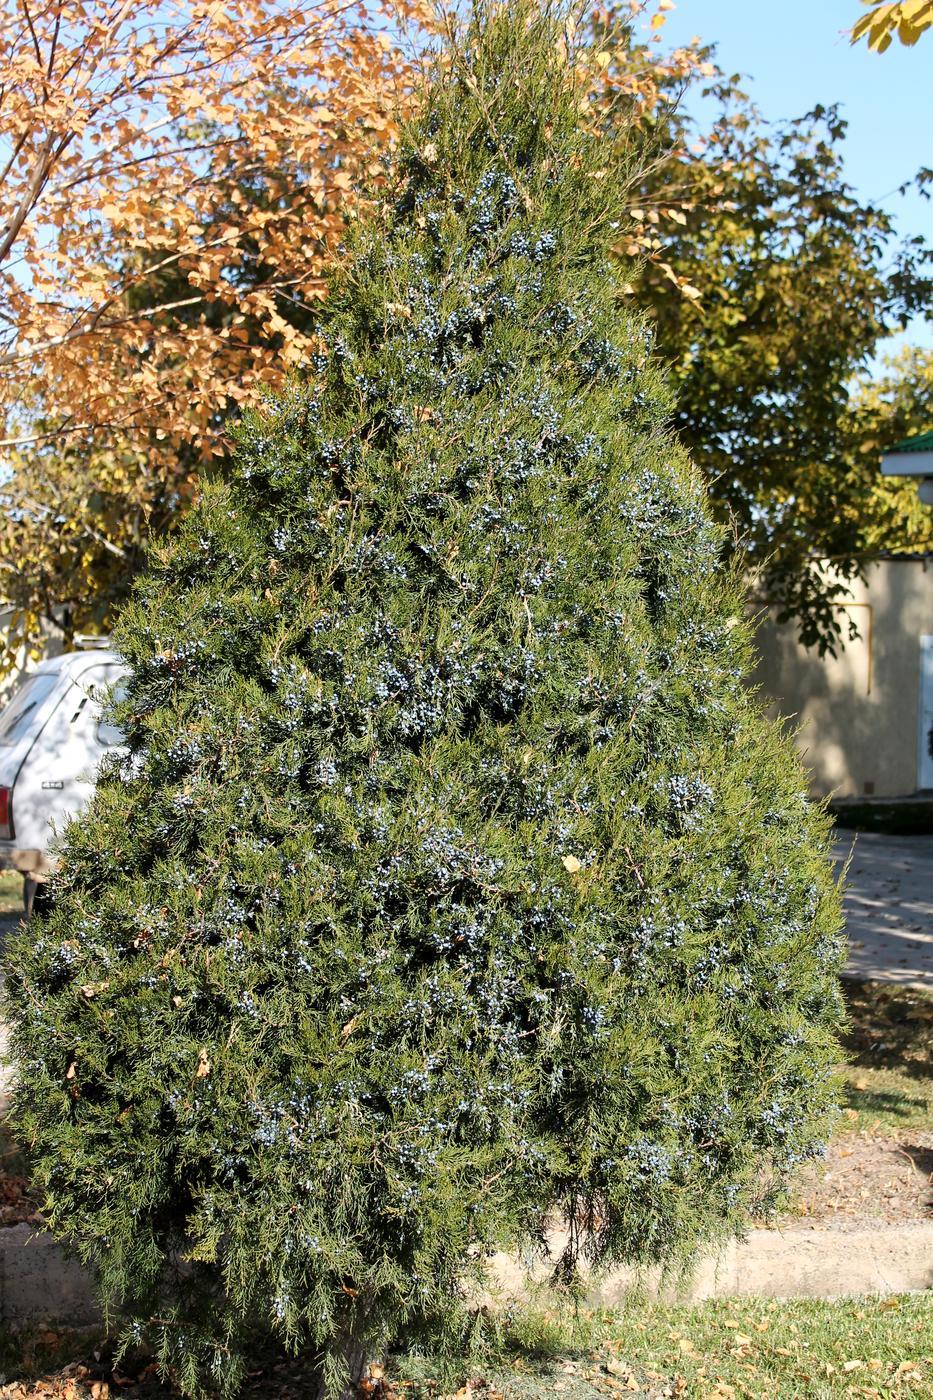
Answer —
(354, 1351)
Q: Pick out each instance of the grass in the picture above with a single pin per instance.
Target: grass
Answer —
(769, 1350)
(736, 1347)
(889, 1047)
(11, 892)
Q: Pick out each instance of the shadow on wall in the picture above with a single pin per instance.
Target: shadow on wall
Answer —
(859, 713)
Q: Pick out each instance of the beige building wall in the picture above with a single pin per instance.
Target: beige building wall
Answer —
(858, 713)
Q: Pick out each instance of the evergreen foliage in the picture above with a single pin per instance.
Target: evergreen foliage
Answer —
(452, 883)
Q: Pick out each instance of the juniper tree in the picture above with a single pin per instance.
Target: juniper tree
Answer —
(452, 884)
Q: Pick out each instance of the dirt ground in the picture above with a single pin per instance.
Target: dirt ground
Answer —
(867, 1180)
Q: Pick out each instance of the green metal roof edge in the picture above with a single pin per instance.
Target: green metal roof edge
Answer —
(923, 443)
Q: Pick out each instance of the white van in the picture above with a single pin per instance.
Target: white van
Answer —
(52, 739)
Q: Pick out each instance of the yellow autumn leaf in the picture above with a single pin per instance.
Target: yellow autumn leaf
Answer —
(909, 33)
(907, 19)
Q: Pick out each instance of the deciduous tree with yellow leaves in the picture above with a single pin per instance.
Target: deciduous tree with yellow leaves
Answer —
(174, 176)
(177, 178)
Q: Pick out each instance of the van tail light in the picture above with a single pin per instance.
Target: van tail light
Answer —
(6, 814)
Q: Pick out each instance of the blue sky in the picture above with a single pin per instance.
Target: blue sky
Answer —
(795, 54)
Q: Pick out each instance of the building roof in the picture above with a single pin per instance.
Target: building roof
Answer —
(922, 443)
(912, 457)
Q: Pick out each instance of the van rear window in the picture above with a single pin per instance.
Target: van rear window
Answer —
(19, 714)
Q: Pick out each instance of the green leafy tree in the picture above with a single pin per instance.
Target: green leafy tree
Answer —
(898, 402)
(771, 287)
(894, 404)
(453, 883)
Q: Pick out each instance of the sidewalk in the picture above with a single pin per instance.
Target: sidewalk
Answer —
(889, 907)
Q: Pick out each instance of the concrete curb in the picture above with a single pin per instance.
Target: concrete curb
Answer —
(827, 1263)
(40, 1283)
(772, 1264)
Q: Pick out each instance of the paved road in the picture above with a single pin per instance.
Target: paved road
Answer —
(889, 907)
